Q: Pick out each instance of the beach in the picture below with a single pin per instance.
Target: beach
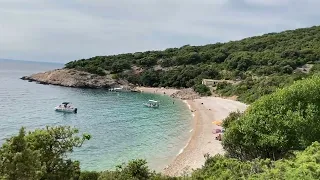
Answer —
(202, 141)
(166, 91)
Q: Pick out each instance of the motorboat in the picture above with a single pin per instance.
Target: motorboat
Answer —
(152, 104)
(66, 107)
(120, 89)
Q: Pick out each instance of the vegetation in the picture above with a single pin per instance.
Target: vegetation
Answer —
(302, 165)
(202, 90)
(19, 160)
(278, 123)
(275, 138)
(41, 154)
(262, 63)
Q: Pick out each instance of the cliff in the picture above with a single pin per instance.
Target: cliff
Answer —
(74, 78)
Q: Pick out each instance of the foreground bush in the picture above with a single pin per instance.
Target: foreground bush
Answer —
(21, 159)
(41, 154)
(134, 170)
(89, 175)
(305, 165)
(276, 124)
(302, 165)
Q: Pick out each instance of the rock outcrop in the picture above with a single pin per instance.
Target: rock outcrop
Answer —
(186, 94)
(73, 78)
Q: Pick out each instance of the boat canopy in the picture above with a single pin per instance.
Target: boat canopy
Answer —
(153, 101)
(66, 103)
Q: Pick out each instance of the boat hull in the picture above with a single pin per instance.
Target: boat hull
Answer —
(150, 106)
(74, 110)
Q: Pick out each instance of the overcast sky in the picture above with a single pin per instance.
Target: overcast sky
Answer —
(65, 30)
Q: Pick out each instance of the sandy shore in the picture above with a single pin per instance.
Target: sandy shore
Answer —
(202, 140)
(165, 91)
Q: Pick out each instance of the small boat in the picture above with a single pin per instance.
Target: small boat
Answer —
(152, 104)
(66, 107)
(120, 89)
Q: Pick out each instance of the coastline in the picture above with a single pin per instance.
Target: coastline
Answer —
(202, 140)
(204, 111)
(162, 91)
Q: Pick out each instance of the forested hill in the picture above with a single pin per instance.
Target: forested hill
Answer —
(262, 63)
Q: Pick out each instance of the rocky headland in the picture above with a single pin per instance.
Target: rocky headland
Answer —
(80, 79)
(74, 78)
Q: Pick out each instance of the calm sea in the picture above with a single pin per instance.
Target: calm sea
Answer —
(121, 127)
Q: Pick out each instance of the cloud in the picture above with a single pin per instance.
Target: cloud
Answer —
(60, 31)
(268, 2)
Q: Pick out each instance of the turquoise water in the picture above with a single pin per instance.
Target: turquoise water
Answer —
(121, 127)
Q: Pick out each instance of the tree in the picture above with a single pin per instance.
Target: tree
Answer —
(277, 124)
(302, 165)
(274, 56)
(233, 116)
(18, 160)
(89, 175)
(54, 143)
(134, 170)
(41, 154)
(202, 90)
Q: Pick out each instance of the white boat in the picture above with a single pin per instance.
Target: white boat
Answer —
(117, 89)
(152, 104)
(120, 89)
(66, 107)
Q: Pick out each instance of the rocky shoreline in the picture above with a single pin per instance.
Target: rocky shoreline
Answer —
(80, 79)
(74, 78)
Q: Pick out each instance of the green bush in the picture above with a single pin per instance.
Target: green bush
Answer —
(202, 90)
(41, 154)
(115, 76)
(135, 169)
(305, 165)
(89, 175)
(302, 165)
(278, 123)
(233, 116)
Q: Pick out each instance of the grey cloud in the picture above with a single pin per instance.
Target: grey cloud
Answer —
(66, 30)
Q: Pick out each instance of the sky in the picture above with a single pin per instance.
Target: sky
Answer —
(67, 30)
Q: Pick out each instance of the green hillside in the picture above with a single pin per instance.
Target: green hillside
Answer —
(262, 63)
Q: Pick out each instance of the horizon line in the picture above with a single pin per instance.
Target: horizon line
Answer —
(6, 59)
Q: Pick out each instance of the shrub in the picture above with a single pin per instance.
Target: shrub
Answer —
(203, 90)
(115, 76)
(233, 116)
(278, 123)
(89, 175)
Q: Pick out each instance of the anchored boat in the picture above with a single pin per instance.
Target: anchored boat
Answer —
(152, 104)
(66, 107)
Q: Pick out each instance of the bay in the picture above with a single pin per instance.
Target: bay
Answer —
(121, 127)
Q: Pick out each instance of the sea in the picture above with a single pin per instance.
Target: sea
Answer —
(122, 129)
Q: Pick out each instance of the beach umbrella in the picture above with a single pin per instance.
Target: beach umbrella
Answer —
(218, 123)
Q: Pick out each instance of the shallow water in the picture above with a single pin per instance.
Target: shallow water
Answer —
(121, 127)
